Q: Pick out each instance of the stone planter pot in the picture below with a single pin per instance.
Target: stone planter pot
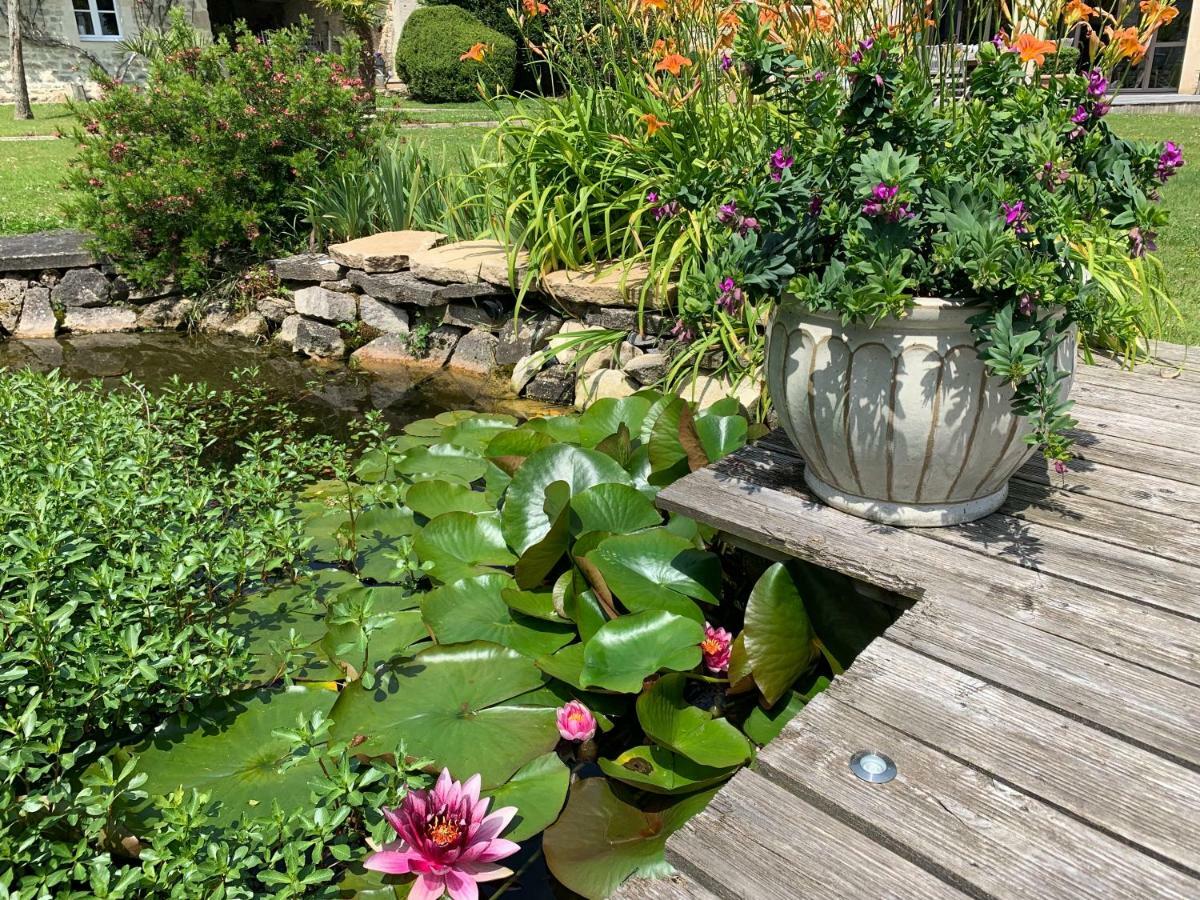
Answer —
(897, 422)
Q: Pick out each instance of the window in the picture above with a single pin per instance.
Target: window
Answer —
(96, 20)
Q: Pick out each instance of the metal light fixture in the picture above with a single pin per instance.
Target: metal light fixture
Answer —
(873, 766)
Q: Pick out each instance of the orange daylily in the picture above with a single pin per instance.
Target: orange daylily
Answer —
(660, 5)
(1157, 14)
(653, 123)
(1077, 11)
(476, 53)
(1033, 49)
(1127, 43)
(673, 63)
(534, 8)
(729, 20)
(767, 17)
(822, 18)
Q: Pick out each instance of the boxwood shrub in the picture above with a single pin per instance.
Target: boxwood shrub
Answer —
(427, 57)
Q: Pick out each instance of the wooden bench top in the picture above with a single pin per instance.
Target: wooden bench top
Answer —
(1041, 698)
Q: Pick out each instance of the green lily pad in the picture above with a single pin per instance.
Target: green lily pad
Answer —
(525, 518)
(721, 435)
(442, 461)
(656, 569)
(358, 883)
(616, 508)
(539, 559)
(434, 497)
(229, 751)
(662, 771)
(476, 432)
(566, 665)
(538, 791)
(600, 840)
(517, 443)
(763, 725)
(268, 619)
(561, 429)
(667, 718)
(392, 634)
(605, 417)
(844, 620)
(473, 609)
(461, 544)
(625, 651)
(539, 604)
(458, 705)
(778, 636)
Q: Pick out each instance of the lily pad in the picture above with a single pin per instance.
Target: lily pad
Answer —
(566, 665)
(539, 604)
(476, 432)
(670, 720)
(662, 771)
(228, 750)
(600, 840)
(473, 609)
(656, 569)
(537, 790)
(539, 559)
(434, 497)
(616, 508)
(625, 651)
(605, 417)
(268, 620)
(442, 461)
(763, 725)
(458, 705)
(392, 634)
(461, 544)
(721, 435)
(778, 636)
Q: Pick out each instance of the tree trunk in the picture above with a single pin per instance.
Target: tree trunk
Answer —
(366, 66)
(21, 107)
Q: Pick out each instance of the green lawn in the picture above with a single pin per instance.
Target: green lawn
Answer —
(49, 118)
(30, 176)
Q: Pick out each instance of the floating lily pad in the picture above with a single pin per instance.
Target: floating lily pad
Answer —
(458, 705)
(605, 417)
(392, 633)
(600, 840)
(228, 750)
(473, 609)
(540, 558)
(670, 720)
(539, 604)
(476, 432)
(615, 508)
(662, 771)
(721, 435)
(434, 497)
(269, 619)
(462, 544)
(624, 651)
(779, 640)
(763, 725)
(656, 569)
(442, 461)
(538, 790)
(566, 665)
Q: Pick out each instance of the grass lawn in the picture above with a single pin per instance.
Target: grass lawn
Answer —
(48, 118)
(30, 176)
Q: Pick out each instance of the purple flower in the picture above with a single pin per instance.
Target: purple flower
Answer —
(1100, 110)
(867, 43)
(652, 197)
(1169, 161)
(726, 62)
(731, 296)
(856, 57)
(1080, 116)
(1141, 242)
(748, 224)
(1000, 41)
(1097, 83)
(1015, 216)
(814, 205)
(781, 159)
(667, 210)
(727, 214)
(884, 192)
(883, 203)
(1060, 467)
(817, 76)
(878, 79)
(1025, 305)
(683, 332)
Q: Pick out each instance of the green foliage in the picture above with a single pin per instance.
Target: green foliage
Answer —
(428, 56)
(195, 173)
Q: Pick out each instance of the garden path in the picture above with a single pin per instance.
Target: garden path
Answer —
(1040, 699)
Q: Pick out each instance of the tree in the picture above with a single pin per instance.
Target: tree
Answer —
(16, 58)
(362, 17)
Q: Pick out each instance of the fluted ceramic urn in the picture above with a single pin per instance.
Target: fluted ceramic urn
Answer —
(898, 422)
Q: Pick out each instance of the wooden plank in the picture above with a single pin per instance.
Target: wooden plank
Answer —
(1114, 523)
(755, 496)
(979, 834)
(1155, 478)
(1170, 411)
(677, 887)
(1153, 711)
(1135, 383)
(1173, 365)
(1140, 798)
(1132, 426)
(756, 841)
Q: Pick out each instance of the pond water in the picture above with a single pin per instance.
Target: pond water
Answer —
(331, 394)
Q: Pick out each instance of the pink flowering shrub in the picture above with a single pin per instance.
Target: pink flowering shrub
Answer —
(195, 172)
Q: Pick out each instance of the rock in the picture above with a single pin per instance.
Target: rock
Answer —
(217, 320)
(705, 390)
(330, 306)
(648, 369)
(251, 325)
(275, 309)
(601, 359)
(342, 286)
(552, 385)
(612, 286)
(317, 340)
(99, 320)
(388, 251)
(528, 334)
(37, 315)
(599, 385)
(287, 329)
(306, 267)
(524, 371)
(382, 316)
(487, 313)
(168, 313)
(85, 288)
(127, 291)
(627, 353)
(45, 250)
(467, 262)
(475, 353)
(568, 328)
(405, 287)
(12, 292)
(394, 351)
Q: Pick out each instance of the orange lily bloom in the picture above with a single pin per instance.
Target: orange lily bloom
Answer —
(1157, 14)
(653, 123)
(673, 63)
(476, 53)
(729, 20)
(534, 8)
(1033, 49)
(767, 17)
(1127, 43)
(1077, 11)
(660, 5)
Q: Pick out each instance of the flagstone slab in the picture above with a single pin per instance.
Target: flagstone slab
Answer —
(388, 251)
(611, 285)
(467, 262)
(64, 249)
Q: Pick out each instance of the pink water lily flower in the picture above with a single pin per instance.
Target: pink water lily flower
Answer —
(575, 722)
(447, 840)
(716, 648)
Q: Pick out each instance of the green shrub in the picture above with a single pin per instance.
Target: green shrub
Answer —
(193, 173)
(428, 56)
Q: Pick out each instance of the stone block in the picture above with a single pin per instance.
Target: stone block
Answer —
(329, 306)
(314, 267)
(467, 262)
(388, 251)
(82, 288)
(12, 293)
(475, 353)
(488, 314)
(554, 384)
(99, 320)
(524, 371)
(382, 316)
(170, 313)
(62, 249)
(317, 340)
(394, 351)
(705, 390)
(568, 329)
(600, 385)
(648, 369)
(287, 329)
(275, 309)
(528, 334)
(37, 316)
(342, 286)
(612, 285)
(251, 325)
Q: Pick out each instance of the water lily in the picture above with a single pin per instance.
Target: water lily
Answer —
(447, 840)
(716, 648)
(575, 722)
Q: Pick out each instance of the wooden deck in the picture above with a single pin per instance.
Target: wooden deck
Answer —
(1041, 698)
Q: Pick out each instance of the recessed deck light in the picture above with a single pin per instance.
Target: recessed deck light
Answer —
(872, 766)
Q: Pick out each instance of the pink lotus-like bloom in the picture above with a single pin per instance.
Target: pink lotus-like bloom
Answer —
(575, 722)
(447, 840)
(716, 648)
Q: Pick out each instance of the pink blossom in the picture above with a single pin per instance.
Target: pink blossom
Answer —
(716, 648)
(575, 722)
(447, 840)
(1060, 467)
